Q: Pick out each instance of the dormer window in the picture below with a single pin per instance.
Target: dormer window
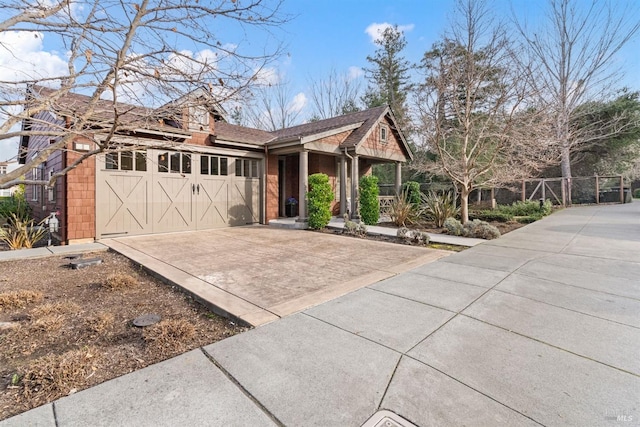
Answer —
(198, 118)
(384, 133)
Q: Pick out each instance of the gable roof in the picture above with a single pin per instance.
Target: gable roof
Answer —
(227, 131)
(73, 105)
(366, 117)
(360, 123)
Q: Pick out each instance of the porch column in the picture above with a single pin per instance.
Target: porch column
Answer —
(398, 178)
(303, 185)
(343, 186)
(355, 178)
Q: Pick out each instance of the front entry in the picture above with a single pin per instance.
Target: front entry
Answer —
(141, 192)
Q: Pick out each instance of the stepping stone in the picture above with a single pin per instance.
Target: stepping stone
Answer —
(83, 263)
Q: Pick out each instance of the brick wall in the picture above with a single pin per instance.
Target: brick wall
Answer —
(80, 215)
(271, 187)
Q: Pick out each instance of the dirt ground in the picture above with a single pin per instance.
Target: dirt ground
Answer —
(63, 330)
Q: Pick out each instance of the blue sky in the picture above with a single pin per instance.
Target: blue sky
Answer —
(329, 33)
(332, 34)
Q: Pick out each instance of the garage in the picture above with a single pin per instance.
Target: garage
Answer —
(158, 191)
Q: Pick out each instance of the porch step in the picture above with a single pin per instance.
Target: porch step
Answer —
(290, 223)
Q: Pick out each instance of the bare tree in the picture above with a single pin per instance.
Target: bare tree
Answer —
(121, 54)
(334, 95)
(574, 51)
(273, 107)
(474, 119)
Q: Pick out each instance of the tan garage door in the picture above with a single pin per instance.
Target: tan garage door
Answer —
(154, 191)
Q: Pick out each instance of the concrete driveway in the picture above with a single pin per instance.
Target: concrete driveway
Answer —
(258, 274)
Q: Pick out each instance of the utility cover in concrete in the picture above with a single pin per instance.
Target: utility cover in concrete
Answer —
(387, 419)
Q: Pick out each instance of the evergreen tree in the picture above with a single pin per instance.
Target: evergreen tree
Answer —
(389, 75)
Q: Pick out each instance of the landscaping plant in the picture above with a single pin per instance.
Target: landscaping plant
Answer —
(403, 211)
(439, 207)
(412, 190)
(369, 203)
(320, 196)
(20, 233)
(15, 206)
(354, 228)
(476, 228)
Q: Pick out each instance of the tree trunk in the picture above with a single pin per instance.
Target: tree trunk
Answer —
(464, 204)
(565, 165)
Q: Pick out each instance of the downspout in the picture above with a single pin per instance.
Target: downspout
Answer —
(264, 185)
(350, 208)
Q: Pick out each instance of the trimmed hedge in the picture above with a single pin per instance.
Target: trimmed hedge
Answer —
(320, 196)
(369, 204)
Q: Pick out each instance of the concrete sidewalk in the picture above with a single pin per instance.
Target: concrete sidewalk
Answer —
(539, 327)
(51, 250)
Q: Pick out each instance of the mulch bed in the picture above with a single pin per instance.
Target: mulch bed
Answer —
(63, 330)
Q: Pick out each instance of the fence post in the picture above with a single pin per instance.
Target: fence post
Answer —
(564, 194)
(493, 197)
(597, 190)
(544, 192)
(524, 191)
(621, 189)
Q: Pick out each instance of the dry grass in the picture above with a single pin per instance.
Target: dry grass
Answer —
(63, 308)
(169, 335)
(119, 281)
(18, 299)
(47, 323)
(53, 376)
(101, 323)
(68, 310)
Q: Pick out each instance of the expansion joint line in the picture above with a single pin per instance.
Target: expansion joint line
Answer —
(246, 392)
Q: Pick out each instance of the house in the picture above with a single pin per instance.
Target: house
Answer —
(7, 166)
(184, 167)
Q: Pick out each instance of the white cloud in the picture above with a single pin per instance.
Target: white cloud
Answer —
(298, 103)
(267, 76)
(375, 30)
(354, 72)
(22, 58)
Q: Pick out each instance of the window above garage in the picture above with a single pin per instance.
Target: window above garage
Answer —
(126, 160)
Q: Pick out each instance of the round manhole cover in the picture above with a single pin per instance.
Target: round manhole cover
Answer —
(146, 320)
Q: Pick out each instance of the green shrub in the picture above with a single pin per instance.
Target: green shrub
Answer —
(491, 215)
(402, 211)
(476, 228)
(480, 230)
(15, 206)
(526, 208)
(412, 190)
(320, 196)
(454, 227)
(439, 208)
(369, 203)
(636, 193)
(528, 219)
